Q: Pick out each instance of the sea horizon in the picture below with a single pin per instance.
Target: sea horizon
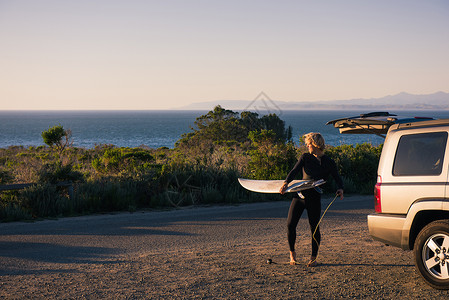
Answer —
(161, 128)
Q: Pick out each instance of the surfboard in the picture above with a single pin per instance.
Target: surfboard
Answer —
(273, 186)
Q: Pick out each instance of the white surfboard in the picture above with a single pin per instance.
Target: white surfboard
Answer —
(273, 186)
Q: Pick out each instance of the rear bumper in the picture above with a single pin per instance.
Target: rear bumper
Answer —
(389, 229)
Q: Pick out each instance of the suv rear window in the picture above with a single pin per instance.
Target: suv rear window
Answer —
(420, 154)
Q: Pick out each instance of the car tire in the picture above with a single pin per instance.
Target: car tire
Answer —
(431, 252)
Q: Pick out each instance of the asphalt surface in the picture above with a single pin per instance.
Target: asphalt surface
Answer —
(216, 252)
(89, 238)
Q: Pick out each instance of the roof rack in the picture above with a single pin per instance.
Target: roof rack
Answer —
(376, 123)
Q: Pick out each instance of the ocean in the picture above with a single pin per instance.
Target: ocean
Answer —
(157, 129)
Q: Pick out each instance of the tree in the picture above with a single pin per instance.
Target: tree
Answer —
(221, 134)
(251, 121)
(274, 123)
(220, 126)
(224, 127)
(53, 137)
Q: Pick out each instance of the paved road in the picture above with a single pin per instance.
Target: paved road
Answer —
(79, 239)
(214, 252)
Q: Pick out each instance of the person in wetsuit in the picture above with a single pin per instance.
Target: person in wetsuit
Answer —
(313, 165)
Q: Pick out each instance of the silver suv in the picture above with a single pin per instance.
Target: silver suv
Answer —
(412, 190)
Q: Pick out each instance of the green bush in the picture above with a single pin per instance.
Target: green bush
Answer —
(44, 200)
(13, 212)
(269, 158)
(5, 176)
(107, 196)
(124, 162)
(211, 195)
(57, 172)
(12, 208)
(358, 164)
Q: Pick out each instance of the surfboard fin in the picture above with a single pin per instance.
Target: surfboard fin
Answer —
(319, 190)
(318, 182)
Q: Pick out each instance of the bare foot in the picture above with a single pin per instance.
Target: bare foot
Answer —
(292, 257)
(312, 263)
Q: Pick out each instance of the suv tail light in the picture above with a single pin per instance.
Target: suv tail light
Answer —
(377, 202)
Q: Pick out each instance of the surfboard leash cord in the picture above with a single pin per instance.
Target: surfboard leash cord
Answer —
(316, 228)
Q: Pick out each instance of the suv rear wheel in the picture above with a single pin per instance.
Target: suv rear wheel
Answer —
(431, 251)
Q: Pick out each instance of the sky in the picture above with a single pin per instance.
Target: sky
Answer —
(107, 55)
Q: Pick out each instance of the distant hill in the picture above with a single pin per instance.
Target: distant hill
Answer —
(401, 101)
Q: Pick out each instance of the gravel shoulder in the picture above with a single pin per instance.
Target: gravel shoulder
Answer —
(217, 252)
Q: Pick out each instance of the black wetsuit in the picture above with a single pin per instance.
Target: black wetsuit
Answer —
(314, 169)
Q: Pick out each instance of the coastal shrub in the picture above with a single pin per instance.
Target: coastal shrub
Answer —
(57, 172)
(10, 212)
(196, 184)
(146, 179)
(112, 159)
(269, 158)
(233, 195)
(107, 195)
(11, 207)
(5, 176)
(211, 195)
(357, 163)
(44, 200)
(124, 162)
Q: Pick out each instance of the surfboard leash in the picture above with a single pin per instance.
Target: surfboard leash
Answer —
(316, 228)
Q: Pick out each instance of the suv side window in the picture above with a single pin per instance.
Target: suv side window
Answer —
(420, 154)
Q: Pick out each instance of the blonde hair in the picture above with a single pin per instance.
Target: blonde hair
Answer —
(315, 139)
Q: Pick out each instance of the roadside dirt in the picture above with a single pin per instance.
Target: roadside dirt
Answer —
(204, 253)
